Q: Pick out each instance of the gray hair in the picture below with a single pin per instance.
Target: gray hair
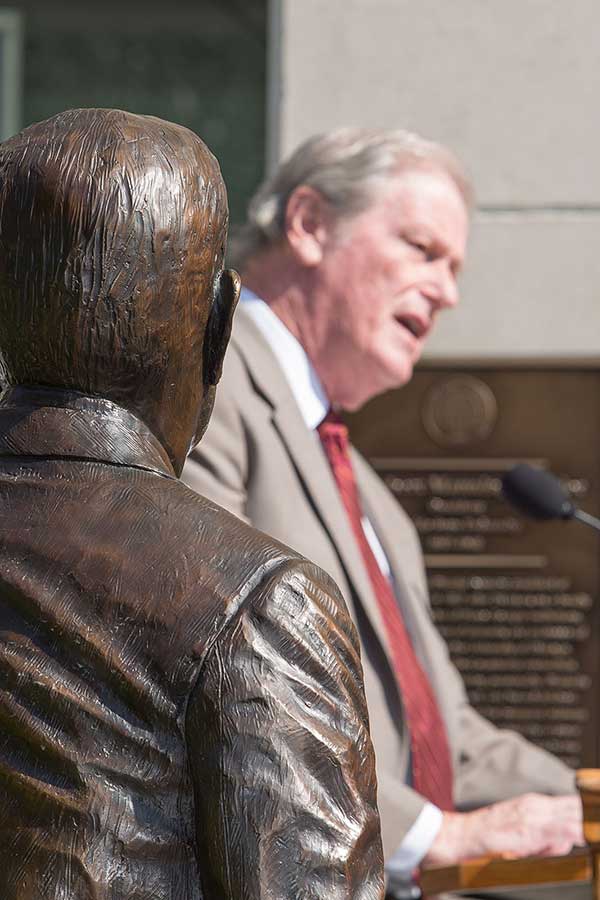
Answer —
(345, 166)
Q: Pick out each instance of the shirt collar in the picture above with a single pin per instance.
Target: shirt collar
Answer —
(297, 368)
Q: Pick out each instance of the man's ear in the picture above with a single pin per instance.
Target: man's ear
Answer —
(308, 223)
(218, 328)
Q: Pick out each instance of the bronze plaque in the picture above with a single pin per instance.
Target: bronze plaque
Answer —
(516, 600)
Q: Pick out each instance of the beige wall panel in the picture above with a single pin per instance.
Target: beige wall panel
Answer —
(531, 288)
(512, 85)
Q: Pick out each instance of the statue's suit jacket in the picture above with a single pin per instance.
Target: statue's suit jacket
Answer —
(259, 460)
(181, 706)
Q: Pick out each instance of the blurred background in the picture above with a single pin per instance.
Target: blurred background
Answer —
(201, 64)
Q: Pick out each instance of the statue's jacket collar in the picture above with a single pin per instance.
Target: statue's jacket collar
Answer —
(55, 424)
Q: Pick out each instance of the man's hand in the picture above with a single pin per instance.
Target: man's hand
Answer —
(530, 825)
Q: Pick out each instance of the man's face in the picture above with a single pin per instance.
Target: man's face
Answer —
(385, 275)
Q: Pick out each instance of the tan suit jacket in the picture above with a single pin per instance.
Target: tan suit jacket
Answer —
(260, 461)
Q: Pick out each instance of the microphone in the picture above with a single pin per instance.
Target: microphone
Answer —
(540, 494)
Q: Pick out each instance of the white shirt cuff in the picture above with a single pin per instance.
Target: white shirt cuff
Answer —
(417, 841)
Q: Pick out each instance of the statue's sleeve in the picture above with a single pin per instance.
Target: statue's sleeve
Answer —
(281, 757)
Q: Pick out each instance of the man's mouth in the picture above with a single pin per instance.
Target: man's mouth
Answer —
(418, 327)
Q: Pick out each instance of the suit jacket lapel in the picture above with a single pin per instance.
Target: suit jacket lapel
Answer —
(405, 596)
(308, 457)
(374, 514)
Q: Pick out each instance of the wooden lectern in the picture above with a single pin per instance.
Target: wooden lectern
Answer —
(588, 784)
(582, 865)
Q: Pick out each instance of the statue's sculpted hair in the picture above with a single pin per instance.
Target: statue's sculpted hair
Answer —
(112, 228)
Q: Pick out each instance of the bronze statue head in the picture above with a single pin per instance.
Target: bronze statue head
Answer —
(112, 237)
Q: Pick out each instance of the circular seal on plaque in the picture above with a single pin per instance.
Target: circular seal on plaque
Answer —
(459, 410)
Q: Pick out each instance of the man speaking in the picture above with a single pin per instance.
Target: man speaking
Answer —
(351, 251)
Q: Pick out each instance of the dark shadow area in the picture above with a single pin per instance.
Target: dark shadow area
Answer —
(201, 64)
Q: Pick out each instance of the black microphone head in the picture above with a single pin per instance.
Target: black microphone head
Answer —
(537, 493)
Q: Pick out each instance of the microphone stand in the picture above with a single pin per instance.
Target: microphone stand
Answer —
(587, 519)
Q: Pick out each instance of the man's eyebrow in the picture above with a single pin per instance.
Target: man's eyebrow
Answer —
(443, 248)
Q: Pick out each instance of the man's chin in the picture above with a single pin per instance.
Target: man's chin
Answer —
(399, 368)
(357, 393)
(357, 401)
(400, 377)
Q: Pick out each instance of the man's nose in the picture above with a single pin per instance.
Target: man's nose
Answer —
(444, 291)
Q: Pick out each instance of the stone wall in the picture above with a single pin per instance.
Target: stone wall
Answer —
(511, 86)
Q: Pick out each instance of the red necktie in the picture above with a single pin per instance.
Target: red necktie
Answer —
(431, 764)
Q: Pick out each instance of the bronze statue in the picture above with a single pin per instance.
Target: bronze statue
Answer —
(182, 714)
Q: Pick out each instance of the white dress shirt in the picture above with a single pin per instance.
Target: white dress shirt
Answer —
(314, 406)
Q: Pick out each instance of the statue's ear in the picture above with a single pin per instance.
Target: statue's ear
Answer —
(218, 328)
